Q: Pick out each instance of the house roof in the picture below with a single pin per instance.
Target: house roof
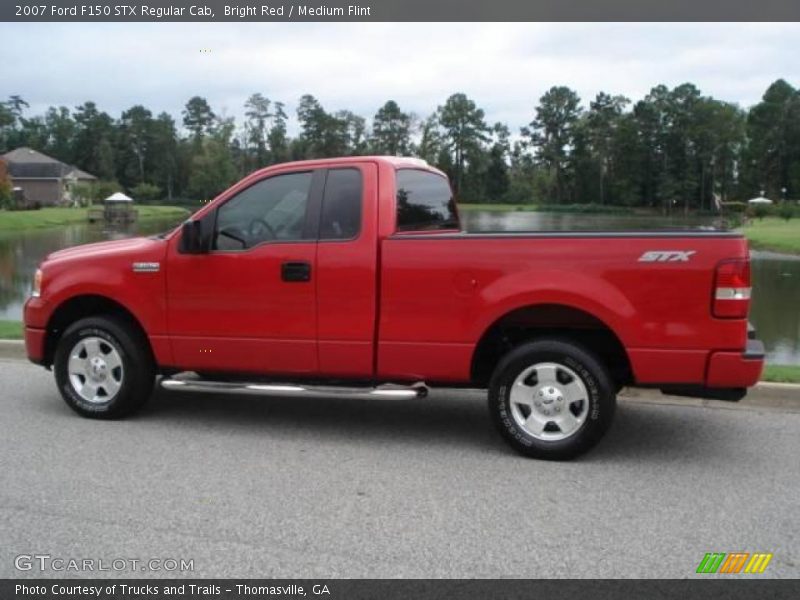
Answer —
(26, 163)
(78, 174)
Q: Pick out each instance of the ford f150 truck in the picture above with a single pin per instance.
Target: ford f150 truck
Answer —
(352, 276)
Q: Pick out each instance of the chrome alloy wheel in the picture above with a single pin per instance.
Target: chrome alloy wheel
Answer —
(549, 401)
(95, 370)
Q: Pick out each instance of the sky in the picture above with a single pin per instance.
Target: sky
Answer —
(504, 67)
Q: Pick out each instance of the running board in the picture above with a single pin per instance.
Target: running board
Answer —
(386, 392)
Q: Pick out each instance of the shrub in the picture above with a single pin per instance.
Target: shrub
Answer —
(759, 211)
(6, 195)
(734, 207)
(146, 193)
(786, 211)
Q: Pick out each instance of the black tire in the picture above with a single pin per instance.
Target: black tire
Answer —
(136, 377)
(598, 385)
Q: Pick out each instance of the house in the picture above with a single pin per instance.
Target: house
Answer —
(41, 179)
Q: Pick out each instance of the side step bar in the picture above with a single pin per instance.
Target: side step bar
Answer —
(386, 392)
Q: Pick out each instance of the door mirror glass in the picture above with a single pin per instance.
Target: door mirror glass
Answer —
(192, 239)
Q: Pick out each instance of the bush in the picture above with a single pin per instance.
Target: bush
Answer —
(759, 211)
(786, 211)
(6, 195)
(734, 207)
(146, 193)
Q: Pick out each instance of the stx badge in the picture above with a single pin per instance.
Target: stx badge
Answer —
(666, 256)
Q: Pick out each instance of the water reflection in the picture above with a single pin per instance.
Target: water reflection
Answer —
(21, 253)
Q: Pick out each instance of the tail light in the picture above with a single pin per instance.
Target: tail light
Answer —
(732, 289)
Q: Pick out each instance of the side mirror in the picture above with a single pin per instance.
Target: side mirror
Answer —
(192, 239)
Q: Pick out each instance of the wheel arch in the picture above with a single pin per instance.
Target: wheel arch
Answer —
(87, 305)
(548, 319)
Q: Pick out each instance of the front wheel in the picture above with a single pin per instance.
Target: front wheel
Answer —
(104, 368)
(551, 399)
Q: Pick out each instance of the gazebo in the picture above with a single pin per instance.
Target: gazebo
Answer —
(116, 198)
(117, 208)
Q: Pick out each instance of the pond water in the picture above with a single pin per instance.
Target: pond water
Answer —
(776, 278)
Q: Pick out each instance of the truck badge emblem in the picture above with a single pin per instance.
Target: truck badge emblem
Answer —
(146, 267)
(666, 256)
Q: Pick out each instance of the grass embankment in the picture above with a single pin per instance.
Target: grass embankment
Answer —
(18, 220)
(781, 373)
(10, 330)
(772, 233)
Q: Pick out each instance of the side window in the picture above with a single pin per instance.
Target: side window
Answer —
(341, 205)
(424, 201)
(272, 209)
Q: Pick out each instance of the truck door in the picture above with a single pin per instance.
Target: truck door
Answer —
(249, 304)
(347, 267)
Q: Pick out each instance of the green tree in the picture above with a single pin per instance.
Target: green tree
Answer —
(277, 136)
(391, 130)
(198, 118)
(146, 193)
(212, 168)
(164, 154)
(497, 177)
(772, 158)
(464, 132)
(258, 116)
(135, 136)
(602, 122)
(93, 143)
(430, 140)
(552, 133)
(61, 128)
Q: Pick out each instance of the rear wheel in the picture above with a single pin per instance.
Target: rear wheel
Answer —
(551, 399)
(104, 368)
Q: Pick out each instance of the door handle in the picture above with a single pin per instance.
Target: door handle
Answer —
(296, 271)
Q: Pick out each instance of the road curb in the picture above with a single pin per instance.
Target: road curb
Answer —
(13, 349)
(765, 394)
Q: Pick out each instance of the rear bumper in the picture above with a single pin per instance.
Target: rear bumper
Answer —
(728, 375)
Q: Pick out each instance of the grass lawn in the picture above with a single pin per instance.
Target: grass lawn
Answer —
(774, 234)
(10, 330)
(57, 216)
(782, 373)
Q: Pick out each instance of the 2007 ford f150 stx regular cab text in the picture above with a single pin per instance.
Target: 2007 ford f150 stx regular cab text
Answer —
(352, 276)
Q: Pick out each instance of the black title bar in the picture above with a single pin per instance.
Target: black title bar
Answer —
(733, 588)
(400, 10)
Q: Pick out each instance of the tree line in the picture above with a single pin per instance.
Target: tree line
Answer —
(674, 149)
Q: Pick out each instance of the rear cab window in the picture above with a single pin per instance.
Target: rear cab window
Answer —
(425, 202)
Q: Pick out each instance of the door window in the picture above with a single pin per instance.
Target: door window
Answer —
(272, 209)
(341, 205)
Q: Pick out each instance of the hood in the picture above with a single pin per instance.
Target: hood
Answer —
(132, 246)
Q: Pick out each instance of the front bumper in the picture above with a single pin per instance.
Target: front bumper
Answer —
(34, 344)
(35, 317)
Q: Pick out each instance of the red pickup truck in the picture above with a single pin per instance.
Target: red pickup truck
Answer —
(352, 276)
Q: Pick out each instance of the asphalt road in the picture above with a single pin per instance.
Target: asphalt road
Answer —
(272, 487)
